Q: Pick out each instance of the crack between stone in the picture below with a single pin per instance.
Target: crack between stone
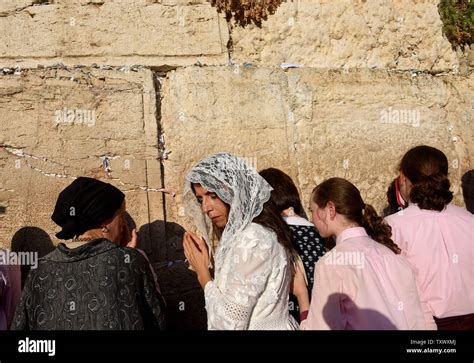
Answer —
(162, 151)
(230, 42)
(19, 10)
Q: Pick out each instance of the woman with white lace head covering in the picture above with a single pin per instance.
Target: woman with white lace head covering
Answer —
(253, 257)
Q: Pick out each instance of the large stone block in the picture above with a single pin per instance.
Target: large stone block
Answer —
(58, 124)
(358, 125)
(394, 34)
(232, 109)
(112, 32)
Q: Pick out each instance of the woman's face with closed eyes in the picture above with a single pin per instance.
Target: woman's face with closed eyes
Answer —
(212, 205)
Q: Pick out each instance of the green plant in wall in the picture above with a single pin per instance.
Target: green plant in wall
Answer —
(458, 21)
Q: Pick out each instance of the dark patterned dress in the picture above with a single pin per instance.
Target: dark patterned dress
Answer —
(97, 286)
(310, 247)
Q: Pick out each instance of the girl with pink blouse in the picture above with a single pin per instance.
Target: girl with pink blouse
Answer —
(362, 283)
(437, 237)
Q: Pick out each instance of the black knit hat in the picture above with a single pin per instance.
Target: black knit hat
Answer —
(85, 204)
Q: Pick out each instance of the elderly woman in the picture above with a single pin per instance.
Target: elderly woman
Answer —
(91, 283)
(253, 251)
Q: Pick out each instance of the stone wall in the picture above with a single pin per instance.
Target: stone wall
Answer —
(316, 124)
(136, 92)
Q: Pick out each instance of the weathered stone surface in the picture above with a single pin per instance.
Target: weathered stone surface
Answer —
(112, 32)
(314, 124)
(350, 127)
(394, 34)
(60, 124)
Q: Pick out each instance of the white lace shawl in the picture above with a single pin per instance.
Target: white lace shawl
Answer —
(252, 274)
(235, 183)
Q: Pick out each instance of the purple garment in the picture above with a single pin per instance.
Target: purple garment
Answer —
(10, 292)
